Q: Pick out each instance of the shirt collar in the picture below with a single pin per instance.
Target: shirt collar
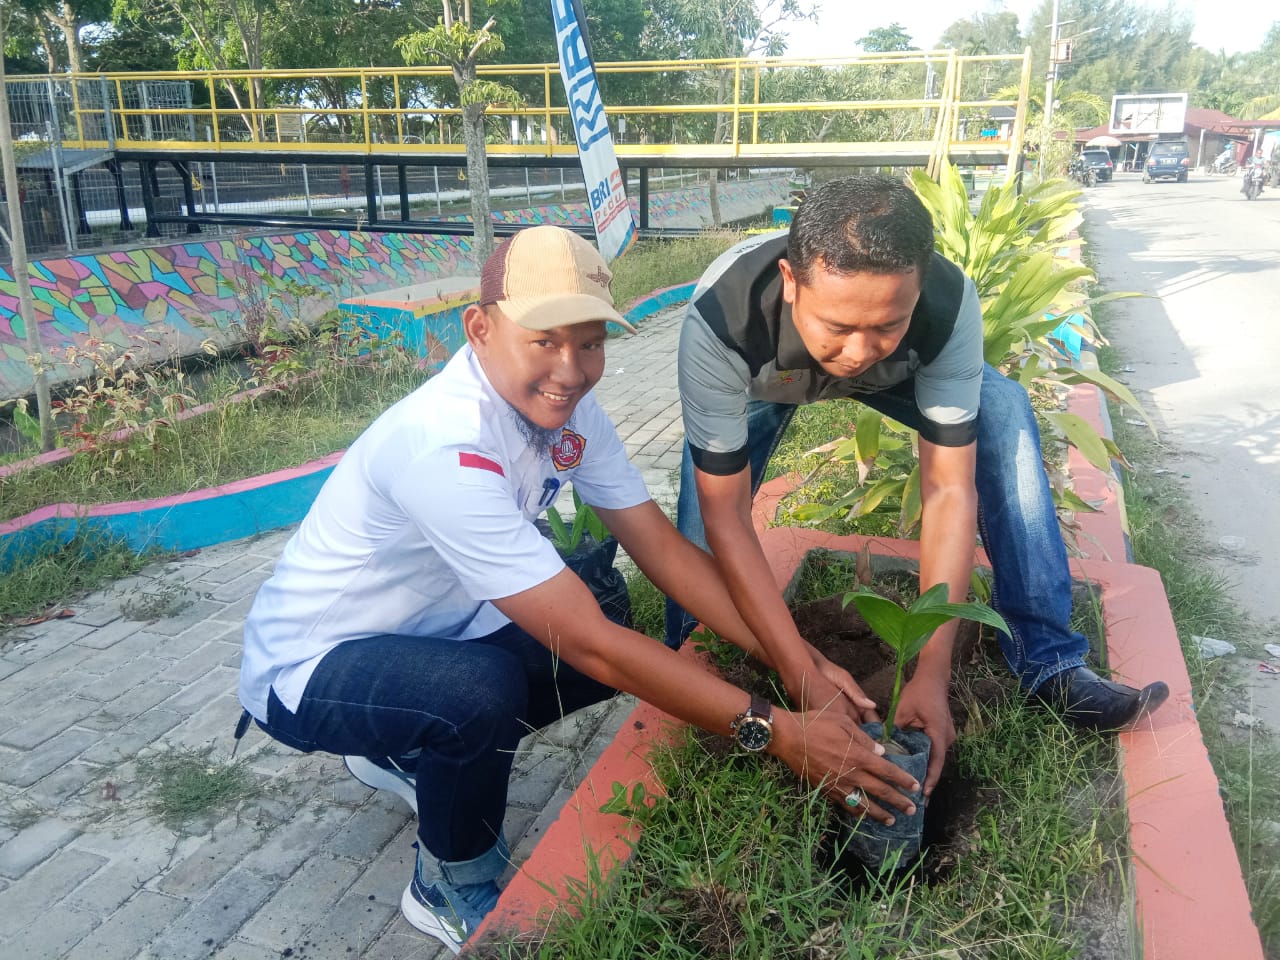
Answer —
(792, 353)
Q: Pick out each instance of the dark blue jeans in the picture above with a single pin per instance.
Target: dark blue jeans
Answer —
(454, 711)
(1016, 518)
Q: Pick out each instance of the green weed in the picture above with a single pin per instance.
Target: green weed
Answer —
(186, 784)
(58, 572)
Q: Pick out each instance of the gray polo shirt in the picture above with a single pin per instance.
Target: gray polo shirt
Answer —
(738, 343)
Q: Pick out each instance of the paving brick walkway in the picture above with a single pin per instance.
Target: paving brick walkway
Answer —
(311, 864)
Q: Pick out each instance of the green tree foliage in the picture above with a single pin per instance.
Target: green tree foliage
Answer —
(887, 39)
(984, 33)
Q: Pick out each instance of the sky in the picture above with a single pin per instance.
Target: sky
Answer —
(1235, 27)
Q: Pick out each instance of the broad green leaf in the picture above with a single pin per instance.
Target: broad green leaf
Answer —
(876, 495)
(1029, 371)
(813, 512)
(867, 433)
(1108, 385)
(912, 505)
(964, 611)
(1083, 437)
(1116, 453)
(846, 450)
(882, 615)
(1071, 500)
(559, 532)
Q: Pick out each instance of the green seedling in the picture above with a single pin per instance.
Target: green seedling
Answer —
(907, 631)
(565, 538)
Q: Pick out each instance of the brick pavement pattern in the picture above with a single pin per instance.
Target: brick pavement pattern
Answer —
(309, 863)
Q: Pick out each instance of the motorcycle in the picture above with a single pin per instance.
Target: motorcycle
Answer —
(1254, 178)
(1082, 173)
(1224, 162)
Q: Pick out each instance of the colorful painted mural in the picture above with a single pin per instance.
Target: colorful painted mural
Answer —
(178, 295)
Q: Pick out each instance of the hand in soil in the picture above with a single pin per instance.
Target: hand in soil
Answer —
(833, 691)
(924, 705)
(830, 750)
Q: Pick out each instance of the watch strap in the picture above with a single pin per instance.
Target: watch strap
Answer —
(760, 707)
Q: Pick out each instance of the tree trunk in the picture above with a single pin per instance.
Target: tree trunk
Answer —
(46, 40)
(464, 74)
(67, 20)
(18, 252)
(716, 220)
(478, 180)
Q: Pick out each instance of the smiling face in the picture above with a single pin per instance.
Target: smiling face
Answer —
(848, 322)
(542, 374)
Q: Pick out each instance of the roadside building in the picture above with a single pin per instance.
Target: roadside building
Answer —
(1207, 132)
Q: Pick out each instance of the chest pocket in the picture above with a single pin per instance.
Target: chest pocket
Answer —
(536, 498)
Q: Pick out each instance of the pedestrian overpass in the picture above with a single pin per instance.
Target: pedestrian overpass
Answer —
(343, 128)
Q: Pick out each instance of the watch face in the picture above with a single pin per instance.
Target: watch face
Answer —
(754, 734)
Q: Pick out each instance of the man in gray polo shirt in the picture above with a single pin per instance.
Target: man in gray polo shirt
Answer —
(854, 302)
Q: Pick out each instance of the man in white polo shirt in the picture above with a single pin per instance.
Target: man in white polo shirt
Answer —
(419, 623)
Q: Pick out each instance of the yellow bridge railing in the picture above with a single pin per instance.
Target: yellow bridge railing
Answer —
(917, 107)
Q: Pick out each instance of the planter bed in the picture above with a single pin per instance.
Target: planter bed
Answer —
(1188, 895)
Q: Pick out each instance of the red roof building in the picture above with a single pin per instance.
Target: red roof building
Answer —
(1207, 132)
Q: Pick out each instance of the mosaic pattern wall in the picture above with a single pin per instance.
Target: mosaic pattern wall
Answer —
(174, 297)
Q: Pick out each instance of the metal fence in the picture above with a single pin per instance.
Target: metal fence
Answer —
(72, 193)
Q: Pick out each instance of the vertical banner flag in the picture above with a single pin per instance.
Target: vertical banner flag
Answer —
(615, 224)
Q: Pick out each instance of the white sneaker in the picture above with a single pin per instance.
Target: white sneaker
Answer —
(403, 784)
(448, 913)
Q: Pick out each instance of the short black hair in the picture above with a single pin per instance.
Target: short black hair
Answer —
(865, 224)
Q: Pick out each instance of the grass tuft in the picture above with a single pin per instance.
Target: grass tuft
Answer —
(57, 573)
(186, 784)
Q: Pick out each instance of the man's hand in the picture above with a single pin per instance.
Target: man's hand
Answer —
(924, 705)
(830, 751)
(864, 708)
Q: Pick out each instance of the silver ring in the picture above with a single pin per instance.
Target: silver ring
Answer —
(854, 799)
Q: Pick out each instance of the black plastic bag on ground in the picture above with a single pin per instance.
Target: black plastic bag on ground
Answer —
(592, 561)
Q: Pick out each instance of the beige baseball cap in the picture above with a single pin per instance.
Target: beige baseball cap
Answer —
(545, 277)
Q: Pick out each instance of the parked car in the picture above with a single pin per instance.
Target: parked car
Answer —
(1100, 161)
(1168, 160)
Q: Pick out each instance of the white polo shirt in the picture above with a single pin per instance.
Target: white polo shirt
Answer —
(426, 519)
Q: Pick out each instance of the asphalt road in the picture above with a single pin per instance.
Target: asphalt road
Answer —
(1205, 356)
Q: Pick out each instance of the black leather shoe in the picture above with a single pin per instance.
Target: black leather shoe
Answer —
(1083, 698)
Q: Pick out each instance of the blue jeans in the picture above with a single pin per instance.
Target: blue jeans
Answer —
(453, 711)
(1016, 518)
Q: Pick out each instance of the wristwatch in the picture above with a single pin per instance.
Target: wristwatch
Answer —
(753, 730)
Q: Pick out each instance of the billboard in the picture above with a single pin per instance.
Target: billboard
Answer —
(1151, 113)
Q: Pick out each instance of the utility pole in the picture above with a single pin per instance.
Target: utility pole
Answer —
(1051, 75)
(17, 239)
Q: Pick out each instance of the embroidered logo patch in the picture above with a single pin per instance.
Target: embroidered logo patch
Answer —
(566, 453)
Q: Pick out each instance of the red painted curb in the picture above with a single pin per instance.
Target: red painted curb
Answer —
(1190, 894)
(559, 862)
(1102, 535)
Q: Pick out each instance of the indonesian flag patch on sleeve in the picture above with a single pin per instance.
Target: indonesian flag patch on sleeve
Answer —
(478, 462)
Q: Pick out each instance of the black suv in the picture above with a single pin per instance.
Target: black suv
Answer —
(1168, 160)
(1100, 160)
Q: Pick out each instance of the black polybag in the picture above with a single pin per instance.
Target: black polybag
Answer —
(592, 561)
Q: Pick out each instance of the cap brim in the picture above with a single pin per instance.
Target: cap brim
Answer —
(547, 313)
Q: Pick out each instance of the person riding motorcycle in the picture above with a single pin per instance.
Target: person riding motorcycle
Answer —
(1225, 161)
(1255, 171)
